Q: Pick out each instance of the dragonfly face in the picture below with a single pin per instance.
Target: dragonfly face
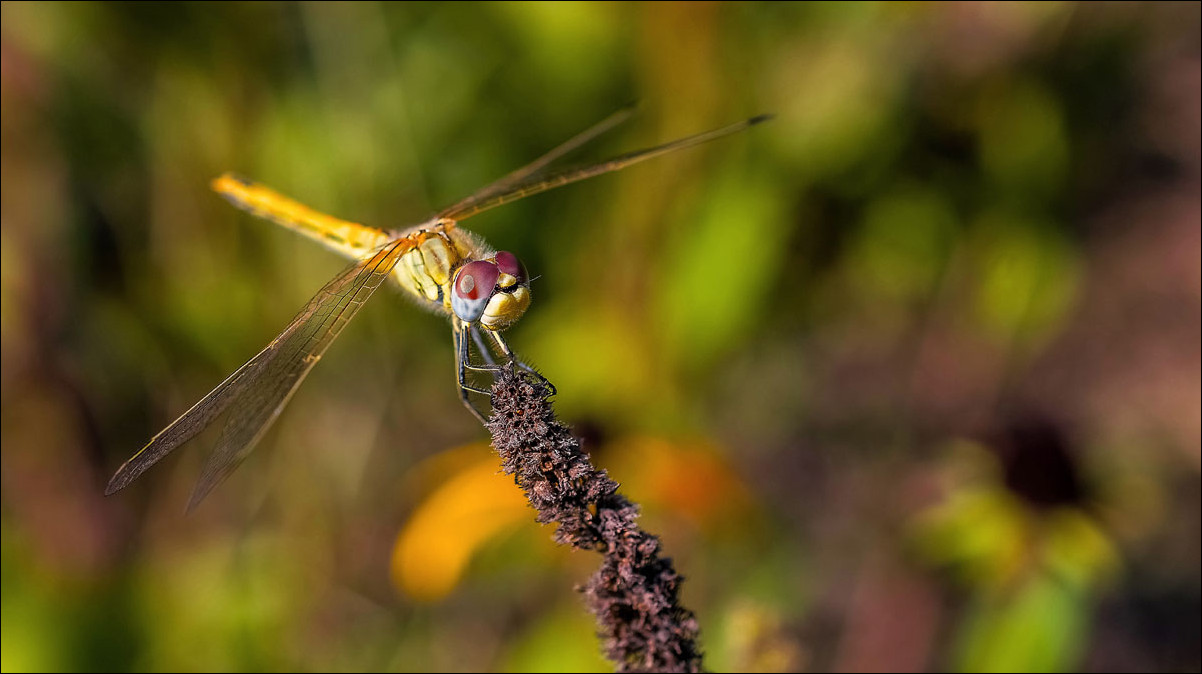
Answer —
(494, 292)
(439, 264)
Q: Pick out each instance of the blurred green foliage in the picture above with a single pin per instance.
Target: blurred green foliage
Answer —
(815, 352)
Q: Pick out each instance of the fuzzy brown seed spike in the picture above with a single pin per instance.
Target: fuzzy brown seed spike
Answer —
(635, 593)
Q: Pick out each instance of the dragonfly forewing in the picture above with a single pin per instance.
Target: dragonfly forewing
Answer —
(260, 388)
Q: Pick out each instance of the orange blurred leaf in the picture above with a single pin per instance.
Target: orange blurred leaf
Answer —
(434, 547)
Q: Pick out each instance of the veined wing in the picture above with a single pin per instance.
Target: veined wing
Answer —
(533, 184)
(504, 184)
(258, 391)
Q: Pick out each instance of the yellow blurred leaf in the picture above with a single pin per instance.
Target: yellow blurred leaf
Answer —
(434, 547)
(1077, 551)
(982, 532)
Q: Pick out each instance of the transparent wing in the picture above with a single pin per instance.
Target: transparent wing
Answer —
(261, 387)
(530, 183)
(504, 184)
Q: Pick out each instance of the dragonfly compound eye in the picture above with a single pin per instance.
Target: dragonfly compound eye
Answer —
(474, 286)
(509, 264)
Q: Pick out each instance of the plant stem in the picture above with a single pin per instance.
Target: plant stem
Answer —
(634, 594)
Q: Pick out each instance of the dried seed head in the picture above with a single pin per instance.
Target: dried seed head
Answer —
(635, 593)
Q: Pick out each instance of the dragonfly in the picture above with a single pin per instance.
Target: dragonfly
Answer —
(437, 263)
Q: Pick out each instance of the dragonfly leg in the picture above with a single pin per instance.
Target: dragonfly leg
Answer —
(462, 363)
(490, 364)
(485, 353)
(466, 333)
(503, 347)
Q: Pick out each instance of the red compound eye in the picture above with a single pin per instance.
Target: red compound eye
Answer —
(474, 286)
(508, 263)
(476, 280)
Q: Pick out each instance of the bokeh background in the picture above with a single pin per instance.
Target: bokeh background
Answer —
(907, 379)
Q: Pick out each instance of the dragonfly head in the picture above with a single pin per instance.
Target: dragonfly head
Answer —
(495, 292)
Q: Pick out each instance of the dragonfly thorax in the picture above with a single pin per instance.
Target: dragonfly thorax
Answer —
(494, 292)
(451, 270)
